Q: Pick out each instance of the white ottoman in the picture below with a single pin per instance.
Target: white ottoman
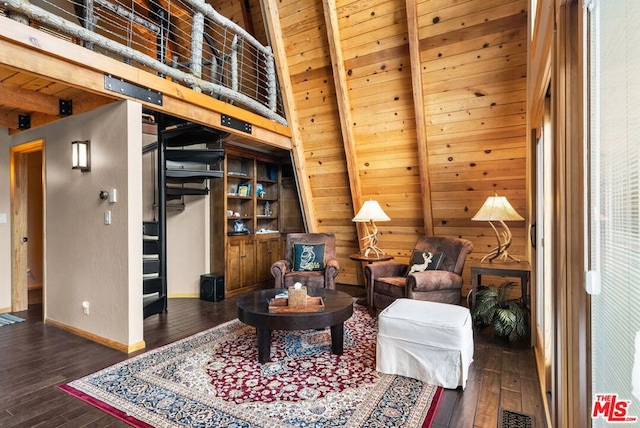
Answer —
(428, 341)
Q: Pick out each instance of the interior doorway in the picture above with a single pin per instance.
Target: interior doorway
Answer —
(27, 225)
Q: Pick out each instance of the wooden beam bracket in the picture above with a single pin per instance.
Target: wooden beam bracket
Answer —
(236, 124)
(132, 90)
(66, 107)
(24, 121)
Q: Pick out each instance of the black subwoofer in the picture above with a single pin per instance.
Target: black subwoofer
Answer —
(212, 287)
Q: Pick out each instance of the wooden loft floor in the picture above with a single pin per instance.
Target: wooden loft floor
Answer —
(38, 69)
(36, 357)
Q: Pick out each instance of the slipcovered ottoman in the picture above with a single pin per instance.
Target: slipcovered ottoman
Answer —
(428, 341)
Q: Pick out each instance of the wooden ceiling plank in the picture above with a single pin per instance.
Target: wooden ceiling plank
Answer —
(60, 90)
(478, 56)
(478, 113)
(6, 73)
(476, 91)
(492, 26)
(19, 79)
(476, 81)
(482, 66)
(470, 46)
(445, 21)
(37, 84)
(472, 102)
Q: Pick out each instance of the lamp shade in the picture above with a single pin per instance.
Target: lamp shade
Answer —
(371, 211)
(497, 208)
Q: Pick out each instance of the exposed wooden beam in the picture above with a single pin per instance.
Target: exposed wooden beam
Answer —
(418, 104)
(9, 119)
(344, 107)
(16, 97)
(272, 18)
(81, 104)
(43, 108)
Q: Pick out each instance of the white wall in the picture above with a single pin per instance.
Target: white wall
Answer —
(5, 228)
(188, 247)
(87, 260)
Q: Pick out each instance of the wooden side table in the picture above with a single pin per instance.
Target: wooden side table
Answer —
(520, 270)
(368, 260)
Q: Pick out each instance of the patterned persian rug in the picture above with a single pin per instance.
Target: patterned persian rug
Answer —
(213, 379)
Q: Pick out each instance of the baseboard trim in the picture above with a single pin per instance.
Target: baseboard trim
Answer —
(98, 339)
(184, 296)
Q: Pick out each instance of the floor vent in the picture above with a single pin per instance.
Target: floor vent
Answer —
(510, 419)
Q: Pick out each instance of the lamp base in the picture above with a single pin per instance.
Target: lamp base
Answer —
(367, 252)
(501, 255)
(500, 252)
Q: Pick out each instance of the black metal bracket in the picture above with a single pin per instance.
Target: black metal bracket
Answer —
(236, 124)
(132, 90)
(24, 121)
(65, 107)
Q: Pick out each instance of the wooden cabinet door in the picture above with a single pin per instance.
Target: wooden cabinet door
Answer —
(233, 280)
(248, 257)
(268, 253)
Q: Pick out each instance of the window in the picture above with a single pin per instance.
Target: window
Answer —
(613, 195)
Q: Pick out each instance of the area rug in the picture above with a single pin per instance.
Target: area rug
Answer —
(213, 379)
(7, 319)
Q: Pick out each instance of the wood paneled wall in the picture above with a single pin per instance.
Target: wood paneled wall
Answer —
(472, 58)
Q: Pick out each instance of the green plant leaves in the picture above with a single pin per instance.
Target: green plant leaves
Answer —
(508, 317)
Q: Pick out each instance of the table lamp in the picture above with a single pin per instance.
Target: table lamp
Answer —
(498, 208)
(369, 213)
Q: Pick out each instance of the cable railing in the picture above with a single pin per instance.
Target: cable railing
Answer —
(187, 41)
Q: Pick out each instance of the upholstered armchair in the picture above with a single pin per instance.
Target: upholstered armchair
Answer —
(434, 273)
(309, 258)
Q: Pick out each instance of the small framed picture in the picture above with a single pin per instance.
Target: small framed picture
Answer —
(244, 189)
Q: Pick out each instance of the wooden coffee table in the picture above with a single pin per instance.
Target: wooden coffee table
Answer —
(253, 309)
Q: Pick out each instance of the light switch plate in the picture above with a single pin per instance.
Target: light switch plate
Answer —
(107, 217)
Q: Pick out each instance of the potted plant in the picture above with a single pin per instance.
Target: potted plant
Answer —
(508, 316)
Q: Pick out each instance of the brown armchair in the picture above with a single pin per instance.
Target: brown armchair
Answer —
(390, 281)
(325, 275)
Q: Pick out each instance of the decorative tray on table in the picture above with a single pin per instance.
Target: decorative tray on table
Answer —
(279, 305)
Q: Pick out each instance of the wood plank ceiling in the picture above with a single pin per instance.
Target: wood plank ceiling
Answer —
(425, 115)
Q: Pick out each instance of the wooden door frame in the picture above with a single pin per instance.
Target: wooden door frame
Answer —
(19, 208)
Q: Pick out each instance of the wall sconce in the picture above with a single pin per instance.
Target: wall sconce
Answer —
(81, 155)
(371, 212)
(497, 208)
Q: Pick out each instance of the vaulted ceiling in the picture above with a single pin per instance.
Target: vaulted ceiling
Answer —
(419, 104)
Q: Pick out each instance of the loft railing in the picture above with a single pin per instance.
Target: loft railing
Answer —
(185, 40)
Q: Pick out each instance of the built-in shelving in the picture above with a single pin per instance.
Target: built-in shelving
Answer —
(245, 208)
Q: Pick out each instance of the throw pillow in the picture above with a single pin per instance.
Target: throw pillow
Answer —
(308, 257)
(421, 261)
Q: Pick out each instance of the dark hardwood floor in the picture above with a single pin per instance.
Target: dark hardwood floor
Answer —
(36, 357)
